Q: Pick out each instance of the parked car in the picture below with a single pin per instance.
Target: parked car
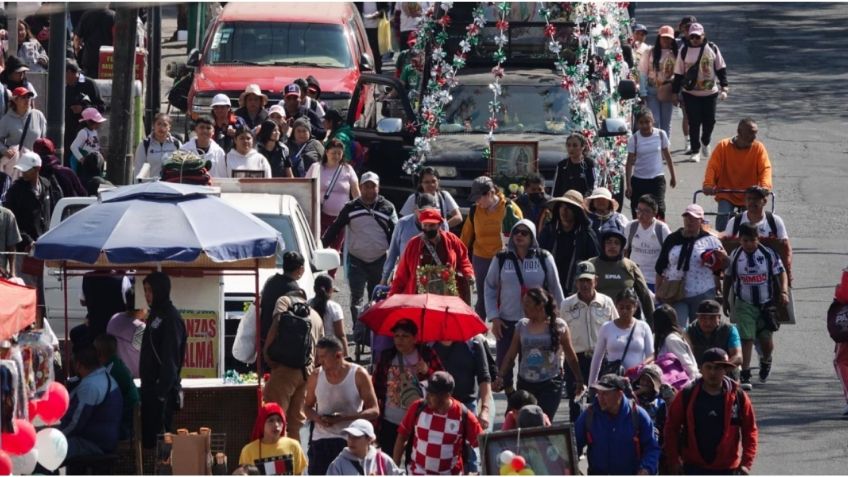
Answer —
(282, 212)
(272, 44)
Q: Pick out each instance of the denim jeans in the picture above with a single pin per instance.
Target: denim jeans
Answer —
(724, 211)
(548, 394)
(361, 276)
(481, 269)
(471, 455)
(501, 347)
(661, 111)
(687, 308)
(584, 360)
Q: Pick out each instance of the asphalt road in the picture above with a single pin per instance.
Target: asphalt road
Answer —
(786, 68)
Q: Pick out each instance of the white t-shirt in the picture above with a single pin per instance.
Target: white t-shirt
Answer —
(649, 160)
(214, 154)
(408, 23)
(699, 278)
(762, 226)
(253, 161)
(369, 8)
(645, 247)
(444, 201)
(611, 343)
(333, 314)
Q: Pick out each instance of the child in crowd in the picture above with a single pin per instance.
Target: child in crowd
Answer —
(87, 140)
(270, 446)
(516, 401)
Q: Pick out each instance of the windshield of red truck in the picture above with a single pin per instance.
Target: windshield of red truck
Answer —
(279, 44)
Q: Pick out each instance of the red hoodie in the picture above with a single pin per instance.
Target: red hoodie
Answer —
(267, 410)
(738, 445)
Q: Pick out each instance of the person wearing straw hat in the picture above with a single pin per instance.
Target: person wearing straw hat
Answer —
(603, 211)
(87, 140)
(252, 103)
(569, 237)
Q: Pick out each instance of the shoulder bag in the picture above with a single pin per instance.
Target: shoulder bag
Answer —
(617, 366)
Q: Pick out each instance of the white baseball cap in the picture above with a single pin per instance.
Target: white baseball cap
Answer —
(359, 428)
(27, 161)
(221, 100)
(370, 177)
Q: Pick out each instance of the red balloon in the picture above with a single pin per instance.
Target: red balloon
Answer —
(518, 463)
(54, 404)
(5, 464)
(32, 406)
(22, 440)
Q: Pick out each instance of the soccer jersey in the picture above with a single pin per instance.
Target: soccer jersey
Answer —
(751, 274)
(437, 439)
(763, 227)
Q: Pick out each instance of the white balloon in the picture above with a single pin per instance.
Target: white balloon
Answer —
(506, 457)
(52, 448)
(24, 464)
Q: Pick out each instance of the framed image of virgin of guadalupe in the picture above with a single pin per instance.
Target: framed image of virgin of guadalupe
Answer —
(546, 450)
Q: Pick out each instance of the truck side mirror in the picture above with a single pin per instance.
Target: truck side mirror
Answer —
(193, 58)
(365, 63)
(389, 125)
(613, 127)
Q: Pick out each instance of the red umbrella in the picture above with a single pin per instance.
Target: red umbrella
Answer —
(17, 308)
(439, 317)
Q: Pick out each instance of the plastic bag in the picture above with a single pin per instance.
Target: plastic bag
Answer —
(384, 35)
(244, 345)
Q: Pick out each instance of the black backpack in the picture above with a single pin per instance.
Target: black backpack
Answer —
(293, 346)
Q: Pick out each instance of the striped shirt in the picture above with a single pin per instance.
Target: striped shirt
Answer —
(751, 274)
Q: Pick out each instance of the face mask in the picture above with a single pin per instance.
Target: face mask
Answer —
(537, 197)
(431, 234)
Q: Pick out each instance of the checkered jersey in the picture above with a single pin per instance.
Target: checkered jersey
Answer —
(437, 439)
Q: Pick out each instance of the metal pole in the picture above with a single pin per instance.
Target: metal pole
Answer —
(12, 27)
(121, 120)
(56, 79)
(258, 315)
(153, 98)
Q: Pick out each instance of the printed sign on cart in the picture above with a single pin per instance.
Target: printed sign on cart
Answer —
(201, 359)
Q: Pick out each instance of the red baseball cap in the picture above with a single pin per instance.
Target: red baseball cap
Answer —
(430, 216)
(21, 91)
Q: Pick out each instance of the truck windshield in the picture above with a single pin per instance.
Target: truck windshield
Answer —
(540, 109)
(283, 224)
(280, 44)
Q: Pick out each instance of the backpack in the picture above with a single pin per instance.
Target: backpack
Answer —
(735, 418)
(634, 416)
(737, 222)
(470, 218)
(673, 372)
(631, 232)
(541, 254)
(293, 346)
(837, 322)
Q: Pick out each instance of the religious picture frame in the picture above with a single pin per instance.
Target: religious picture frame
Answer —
(546, 450)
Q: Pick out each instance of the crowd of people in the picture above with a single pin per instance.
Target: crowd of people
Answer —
(622, 317)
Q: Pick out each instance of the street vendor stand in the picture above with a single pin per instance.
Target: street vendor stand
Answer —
(191, 234)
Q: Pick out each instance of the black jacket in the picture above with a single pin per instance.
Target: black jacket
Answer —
(569, 249)
(278, 158)
(276, 286)
(84, 94)
(580, 177)
(163, 350)
(245, 116)
(31, 211)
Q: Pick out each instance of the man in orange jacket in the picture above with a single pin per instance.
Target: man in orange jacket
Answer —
(707, 421)
(736, 163)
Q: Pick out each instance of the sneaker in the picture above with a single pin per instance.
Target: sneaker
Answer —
(765, 369)
(705, 150)
(695, 157)
(687, 149)
(745, 380)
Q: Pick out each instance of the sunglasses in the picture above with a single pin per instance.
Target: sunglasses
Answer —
(524, 232)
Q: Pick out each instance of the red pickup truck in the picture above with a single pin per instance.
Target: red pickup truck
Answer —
(272, 44)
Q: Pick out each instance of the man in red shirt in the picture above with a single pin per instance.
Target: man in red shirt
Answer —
(439, 427)
(433, 246)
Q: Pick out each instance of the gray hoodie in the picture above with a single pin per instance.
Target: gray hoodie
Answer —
(503, 289)
(12, 126)
(344, 464)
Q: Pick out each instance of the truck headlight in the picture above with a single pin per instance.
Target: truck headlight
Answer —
(445, 171)
(201, 105)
